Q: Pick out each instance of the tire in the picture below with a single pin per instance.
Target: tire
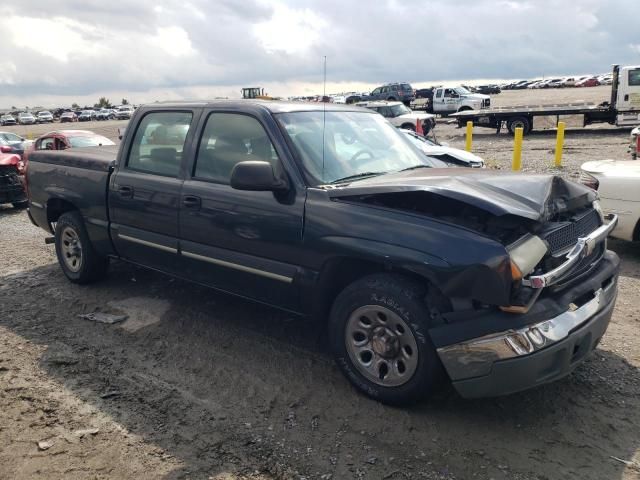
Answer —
(408, 126)
(79, 261)
(391, 99)
(382, 319)
(21, 205)
(464, 109)
(516, 122)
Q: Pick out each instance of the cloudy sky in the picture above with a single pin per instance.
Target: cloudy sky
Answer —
(54, 52)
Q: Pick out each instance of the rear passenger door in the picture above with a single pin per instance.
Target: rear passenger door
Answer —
(244, 242)
(144, 193)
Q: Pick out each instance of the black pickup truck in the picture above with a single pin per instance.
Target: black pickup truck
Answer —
(499, 282)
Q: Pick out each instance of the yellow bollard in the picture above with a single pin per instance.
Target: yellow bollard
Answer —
(467, 146)
(559, 144)
(516, 165)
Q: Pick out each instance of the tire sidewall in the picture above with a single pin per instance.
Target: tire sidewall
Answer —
(92, 265)
(414, 314)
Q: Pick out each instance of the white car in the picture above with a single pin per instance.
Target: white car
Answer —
(400, 115)
(618, 184)
(44, 116)
(633, 145)
(443, 152)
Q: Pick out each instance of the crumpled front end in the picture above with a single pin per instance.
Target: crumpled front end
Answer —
(563, 280)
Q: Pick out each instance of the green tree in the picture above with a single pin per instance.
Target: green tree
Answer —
(103, 102)
(125, 101)
(75, 106)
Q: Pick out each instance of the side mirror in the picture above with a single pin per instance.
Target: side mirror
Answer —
(256, 176)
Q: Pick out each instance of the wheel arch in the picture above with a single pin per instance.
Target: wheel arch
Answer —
(56, 207)
(339, 272)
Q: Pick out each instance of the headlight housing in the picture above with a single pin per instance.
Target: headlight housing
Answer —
(525, 253)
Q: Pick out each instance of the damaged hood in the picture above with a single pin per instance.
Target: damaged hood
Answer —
(533, 196)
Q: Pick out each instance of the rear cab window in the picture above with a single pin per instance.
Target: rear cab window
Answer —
(158, 144)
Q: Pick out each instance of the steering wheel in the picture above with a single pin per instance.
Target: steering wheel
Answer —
(359, 153)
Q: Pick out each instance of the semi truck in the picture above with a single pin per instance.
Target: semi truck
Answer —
(622, 110)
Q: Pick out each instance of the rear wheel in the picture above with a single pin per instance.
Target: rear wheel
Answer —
(21, 205)
(519, 122)
(378, 333)
(77, 257)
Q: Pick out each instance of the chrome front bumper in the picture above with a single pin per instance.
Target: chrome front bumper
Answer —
(476, 357)
(583, 248)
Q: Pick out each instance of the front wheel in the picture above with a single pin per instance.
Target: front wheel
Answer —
(378, 333)
(78, 259)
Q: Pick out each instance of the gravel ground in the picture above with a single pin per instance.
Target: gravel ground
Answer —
(196, 384)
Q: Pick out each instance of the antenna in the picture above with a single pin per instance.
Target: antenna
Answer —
(324, 109)
(324, 86)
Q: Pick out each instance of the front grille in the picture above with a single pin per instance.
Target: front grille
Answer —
(566, 235)
(9, 175)
(10, 185)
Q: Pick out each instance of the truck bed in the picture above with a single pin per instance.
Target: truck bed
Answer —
(77, 176)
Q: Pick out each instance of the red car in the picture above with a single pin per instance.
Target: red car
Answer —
(12, 188)
(63, 139)
(588, 82)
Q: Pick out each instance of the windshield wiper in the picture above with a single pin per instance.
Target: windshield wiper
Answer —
(415, 167)
(358, 176)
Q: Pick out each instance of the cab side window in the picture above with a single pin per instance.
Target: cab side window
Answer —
(45, 144)
(230, 138)
(439, 93)
(158, 144)
(634, 77)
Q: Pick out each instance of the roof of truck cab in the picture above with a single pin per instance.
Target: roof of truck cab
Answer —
(274, 106)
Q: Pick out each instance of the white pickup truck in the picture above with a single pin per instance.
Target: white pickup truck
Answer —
(458, 99)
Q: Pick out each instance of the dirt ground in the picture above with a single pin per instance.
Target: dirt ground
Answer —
(196, 384)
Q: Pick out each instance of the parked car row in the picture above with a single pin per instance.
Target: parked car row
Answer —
(560, 82)
(123, 112)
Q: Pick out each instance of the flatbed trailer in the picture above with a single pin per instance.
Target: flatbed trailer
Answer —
(622, 110)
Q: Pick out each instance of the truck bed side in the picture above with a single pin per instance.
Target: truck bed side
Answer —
(76, 179)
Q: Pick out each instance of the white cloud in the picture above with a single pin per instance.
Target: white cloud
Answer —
(289, 30)
(58, 37)
(173, 40)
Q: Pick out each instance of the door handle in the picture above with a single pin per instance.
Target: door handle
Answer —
(626, 98)
(125, 191)
(191, 201)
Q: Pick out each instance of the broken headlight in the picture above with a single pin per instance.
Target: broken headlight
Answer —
(525, 253)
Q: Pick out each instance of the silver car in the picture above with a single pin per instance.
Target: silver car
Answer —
(25, 118)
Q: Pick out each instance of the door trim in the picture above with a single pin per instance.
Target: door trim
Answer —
(147, 243)
(235, 266)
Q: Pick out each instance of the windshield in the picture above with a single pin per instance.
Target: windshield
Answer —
(399, 109)
(10, 137)
(89, 141)
(462, 91)
(355, 143)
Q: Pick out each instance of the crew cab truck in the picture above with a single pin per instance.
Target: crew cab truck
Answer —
(622, 110)
(498, 282)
